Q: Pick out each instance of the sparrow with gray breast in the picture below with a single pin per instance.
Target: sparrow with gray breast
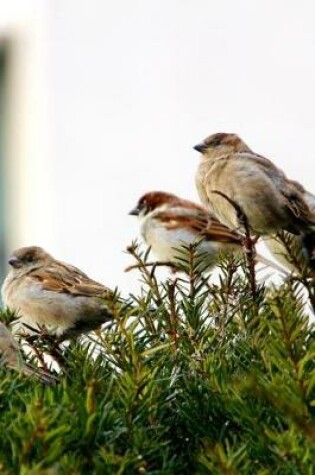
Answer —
(50, 295)
(266, 197)
(10, 356)
(302, 246)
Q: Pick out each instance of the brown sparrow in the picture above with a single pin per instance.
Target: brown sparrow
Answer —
(55, 297)
(269, 201)
(11, 357)
(168, 222)
(302, 245)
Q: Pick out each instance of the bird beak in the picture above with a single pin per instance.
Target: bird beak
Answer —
(200, 147)
(15, 262)
(134, 212)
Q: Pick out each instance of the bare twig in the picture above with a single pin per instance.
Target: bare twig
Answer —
(149, 276)
(38, 355)
(173, 314)
(151, 264)
(248, 242)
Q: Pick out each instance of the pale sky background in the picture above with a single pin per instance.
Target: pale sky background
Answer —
(108, 97)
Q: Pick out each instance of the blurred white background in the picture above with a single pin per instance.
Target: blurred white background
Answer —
(104, 100)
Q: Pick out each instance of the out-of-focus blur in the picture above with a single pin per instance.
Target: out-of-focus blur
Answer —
(102, 101)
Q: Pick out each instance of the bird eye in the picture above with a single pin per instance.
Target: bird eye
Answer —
(29, 258)
(216, 142)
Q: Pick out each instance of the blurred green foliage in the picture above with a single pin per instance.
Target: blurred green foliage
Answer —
(202, 379)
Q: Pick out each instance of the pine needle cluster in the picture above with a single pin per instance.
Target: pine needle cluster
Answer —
(194, 376)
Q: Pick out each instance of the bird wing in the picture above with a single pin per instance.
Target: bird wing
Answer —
(217, 231)
(265, 164)
(298, 207)
(201, 223)
(64, 278)
(291, 191)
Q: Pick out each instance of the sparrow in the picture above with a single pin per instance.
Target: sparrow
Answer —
(54, 297)
(302, 245)
(268, 200)
(10, 356)
(168, 222)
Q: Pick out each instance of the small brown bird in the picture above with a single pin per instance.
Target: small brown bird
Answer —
(11, 357)
(302, 245)
(50, 295)
(167, 222)
(269, 201)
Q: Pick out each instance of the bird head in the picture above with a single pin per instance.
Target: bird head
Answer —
(151, 201)
(221, 144)
(28, 258)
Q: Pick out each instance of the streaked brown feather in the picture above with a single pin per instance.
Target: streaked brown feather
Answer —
(201, 222)
(67, 279)
(297, 205)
